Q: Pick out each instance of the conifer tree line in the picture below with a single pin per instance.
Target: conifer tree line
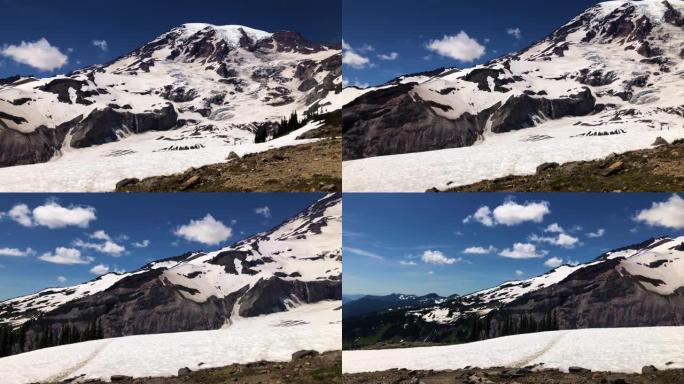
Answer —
(31, 335)
(287, 125)
(365, 331)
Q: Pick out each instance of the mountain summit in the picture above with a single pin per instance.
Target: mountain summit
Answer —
(198, 87)
(609, 80)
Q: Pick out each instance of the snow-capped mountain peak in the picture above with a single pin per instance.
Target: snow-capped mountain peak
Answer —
(656, 265)
(231, 34)
(299, 261)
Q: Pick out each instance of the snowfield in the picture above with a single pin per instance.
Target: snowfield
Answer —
(99, 168)
(630, 122)
(600, 349)
(270, 337)
(499, 155)
(221, 96)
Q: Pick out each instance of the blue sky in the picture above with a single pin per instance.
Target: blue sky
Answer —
(417, 243)
(401, 30)
(93, 228)
(71, 26)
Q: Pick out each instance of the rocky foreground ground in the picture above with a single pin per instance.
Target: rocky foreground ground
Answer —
(528, 375)
(302, 168)
(306, 367)
(657, 169)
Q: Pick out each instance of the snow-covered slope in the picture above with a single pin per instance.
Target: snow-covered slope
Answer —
(271, 337)
(299, 261)
(657, 265)
(640, 285)
(198, 89)
(610, 80)
(600, 349)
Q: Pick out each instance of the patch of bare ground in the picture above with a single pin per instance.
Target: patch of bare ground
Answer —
(657, 169)
(312, 368)
(528, 375)
(302, 168)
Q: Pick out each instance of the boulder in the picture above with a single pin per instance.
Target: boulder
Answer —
(578, 370)
(184, 371)
(115, 378)
(304, 353)
(660, 141)
(648, 369)
(126, 182)
(546, 166)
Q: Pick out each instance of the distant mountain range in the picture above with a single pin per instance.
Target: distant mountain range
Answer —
(634, 286)
(299, 261)
(363, 304)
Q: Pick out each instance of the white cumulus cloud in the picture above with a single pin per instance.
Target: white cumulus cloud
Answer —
(15, 252)
(519, 272)
(38, 54)
(66, 256)
(523, 251)
(100, 235)
(438, 258)
(460, 47)
(207, 231)
(515, 32)
(510, 213)
(108, 247)
(480, 250)
(53, 215)
(102, 44)
(669, 214)
(388, 56)
(598, 233)
(61, 279)
(554, 262)
(352, 58)
(562, 240)
(263, 211)
(141, 244)
(99, 269)
(21, 213)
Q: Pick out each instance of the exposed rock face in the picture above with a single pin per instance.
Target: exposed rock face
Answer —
(219, 79)
(633, 286)
(452, 107)
(266, 296)
(105, 125)
(393, 121)
(17, 148)
(390, 121)
(298, 261)
(518, 111)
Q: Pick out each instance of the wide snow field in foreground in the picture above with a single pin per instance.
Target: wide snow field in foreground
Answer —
(99, 168)
(270, 337)
(499, 155)
(599, 349)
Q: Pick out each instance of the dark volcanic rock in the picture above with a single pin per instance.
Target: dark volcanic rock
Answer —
(17, 148)
(268, 296)
(61, 88)
(304, 353)
(390, 121)
(518, 111)
(102, 125)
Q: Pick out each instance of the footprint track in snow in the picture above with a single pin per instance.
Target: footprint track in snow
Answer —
(69, 372)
